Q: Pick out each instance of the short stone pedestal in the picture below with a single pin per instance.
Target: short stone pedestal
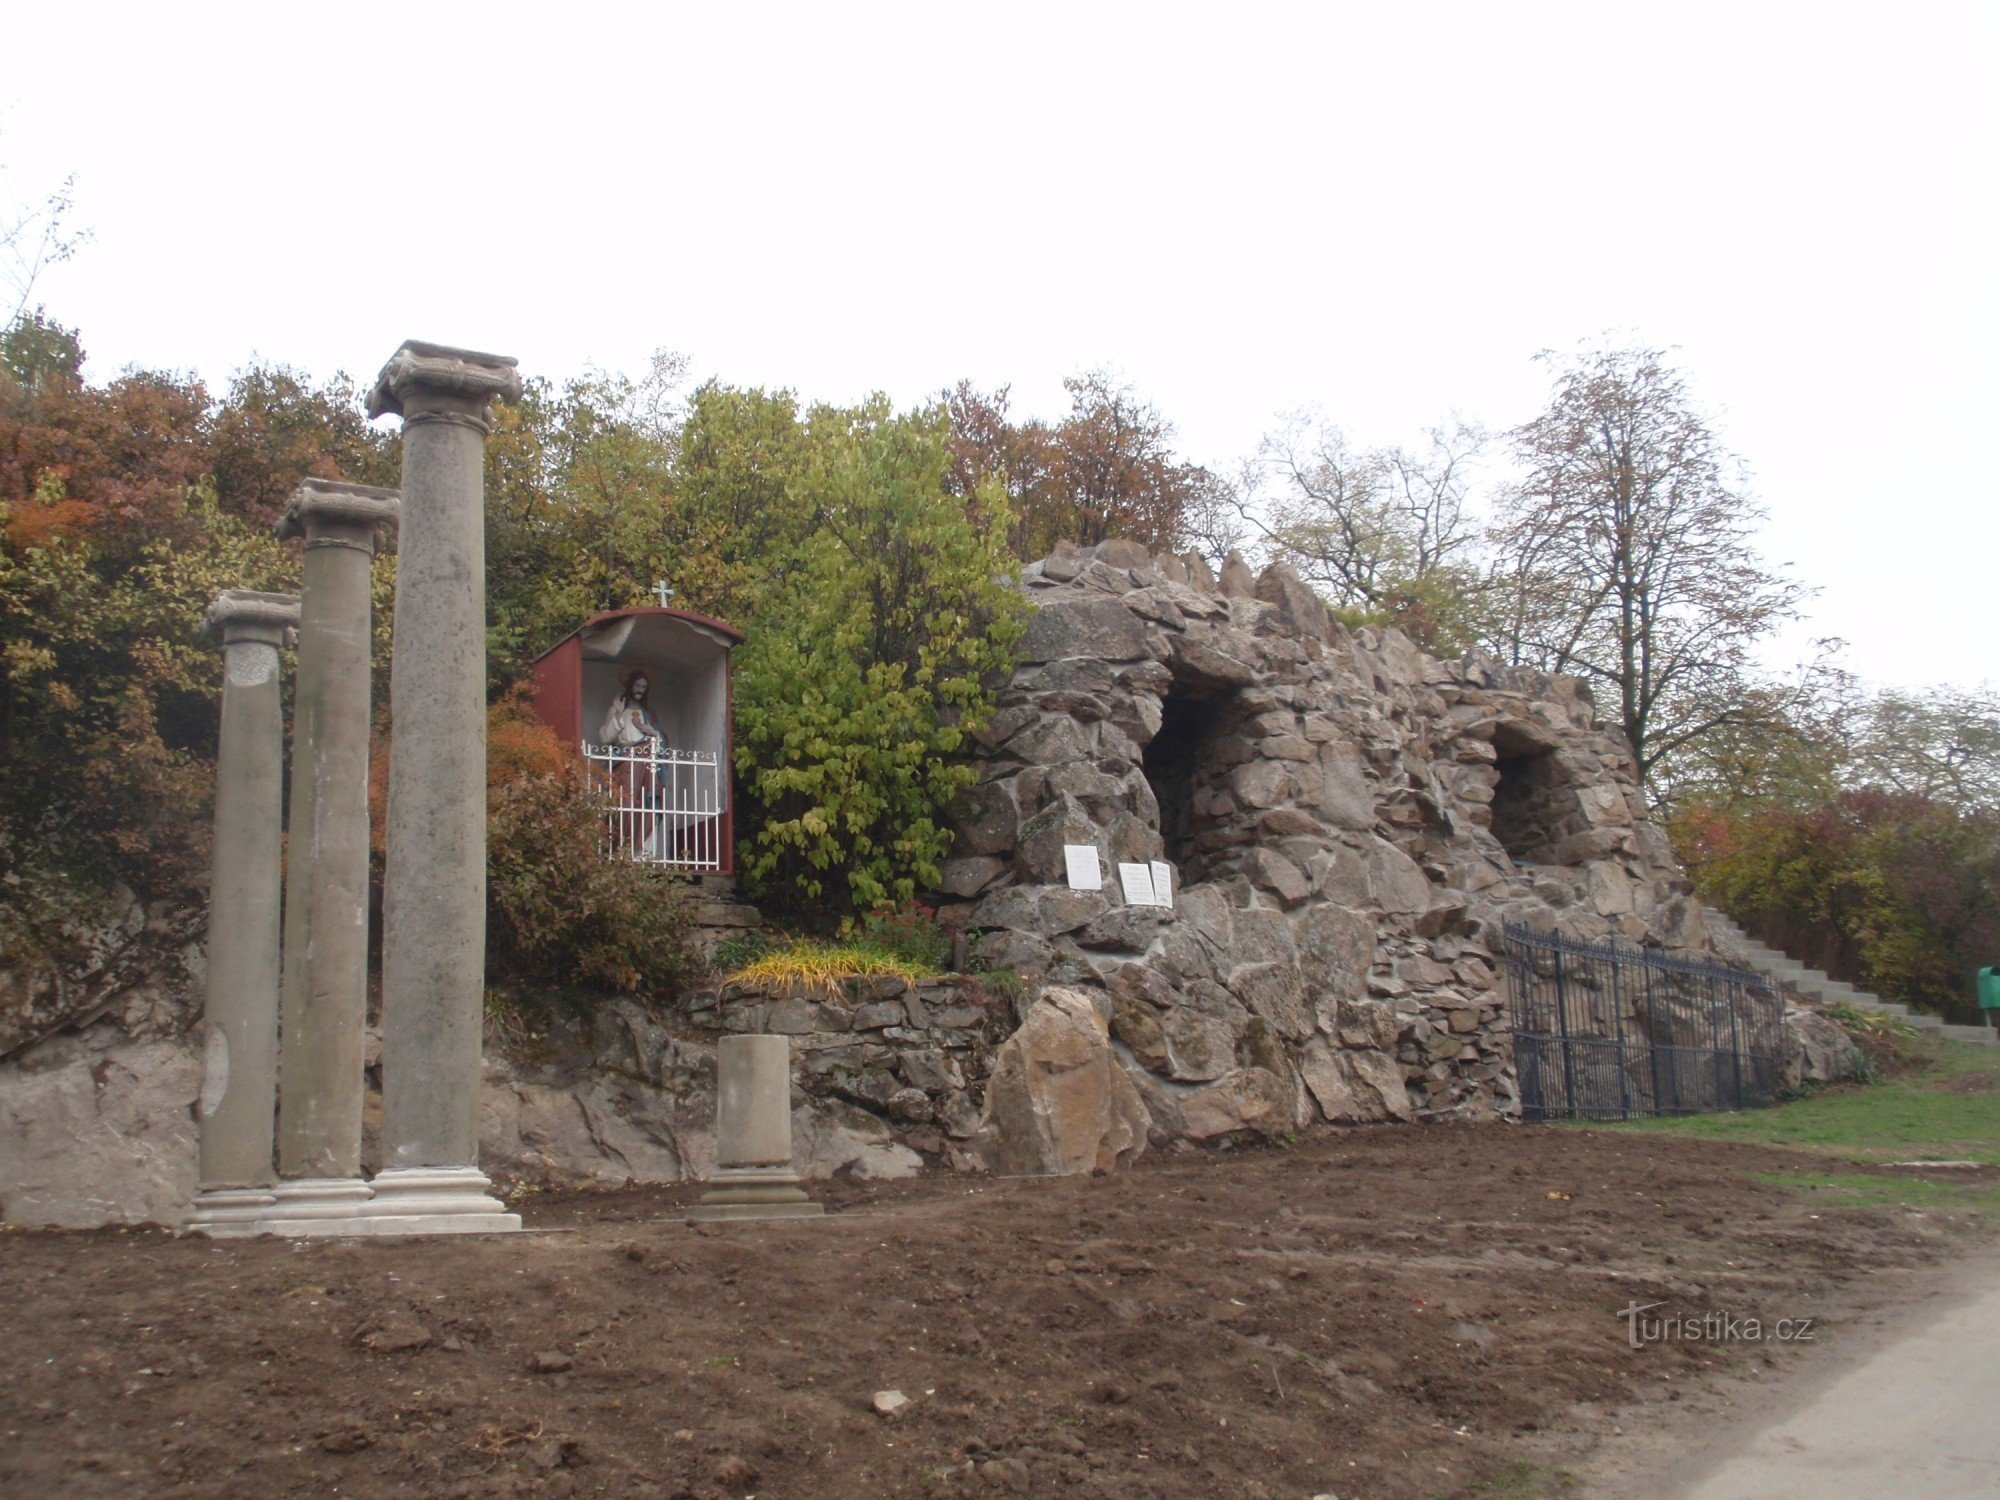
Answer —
(240, 1080)
(753, 1134)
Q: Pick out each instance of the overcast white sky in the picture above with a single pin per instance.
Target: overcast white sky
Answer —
(1380, 210)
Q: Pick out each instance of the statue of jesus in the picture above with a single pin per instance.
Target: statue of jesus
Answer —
(631, 720)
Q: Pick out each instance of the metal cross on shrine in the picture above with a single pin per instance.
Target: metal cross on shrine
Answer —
(662, 593)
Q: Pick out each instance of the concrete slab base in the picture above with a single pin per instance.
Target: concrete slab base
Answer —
(228, 1213)
(420, 1224)
(713, 1213)
(316, 1207)
(316, 1229)
(437, 1200)
(754, 1193)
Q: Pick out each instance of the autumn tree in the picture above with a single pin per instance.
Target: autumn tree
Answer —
(1626, 555)
(275, 427)
(1106, 469)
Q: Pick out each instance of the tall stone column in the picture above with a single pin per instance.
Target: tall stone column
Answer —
(240, 1079)
(434, 896)
(325, 999)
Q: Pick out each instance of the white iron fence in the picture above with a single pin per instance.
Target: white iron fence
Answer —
(666, 805)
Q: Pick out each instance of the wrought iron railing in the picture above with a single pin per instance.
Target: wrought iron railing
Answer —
(666, 805)
(1603, 1031)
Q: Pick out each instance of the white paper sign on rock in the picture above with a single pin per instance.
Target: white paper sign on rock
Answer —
(1138, 883)
(1084, 872)
(1163, 883)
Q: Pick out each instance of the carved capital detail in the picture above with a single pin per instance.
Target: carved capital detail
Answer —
(420, 373)
(251, 615)
(332, 510)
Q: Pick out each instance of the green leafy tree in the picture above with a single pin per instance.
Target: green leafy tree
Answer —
(603, 487)
(875, 646)
(1386, 534)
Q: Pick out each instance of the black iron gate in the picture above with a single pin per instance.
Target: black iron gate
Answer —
(1603, 1031)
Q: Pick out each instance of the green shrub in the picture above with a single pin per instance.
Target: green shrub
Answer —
(560, 912)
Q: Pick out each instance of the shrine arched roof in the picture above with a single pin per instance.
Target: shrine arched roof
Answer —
(597, 623)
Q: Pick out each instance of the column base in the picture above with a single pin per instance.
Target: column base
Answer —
(754, 1193)
(316, 1207)
(436, 1200)
(228, 1213)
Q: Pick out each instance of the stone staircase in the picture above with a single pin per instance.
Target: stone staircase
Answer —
(1795, 976)
(718, 914)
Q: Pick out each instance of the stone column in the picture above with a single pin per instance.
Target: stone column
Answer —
(240, 1080)
(753, 1134)
(325, 999)
(434, 897)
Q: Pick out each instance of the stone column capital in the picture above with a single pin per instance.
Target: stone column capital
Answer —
(240, 615)
(334, 513)
(433, 382)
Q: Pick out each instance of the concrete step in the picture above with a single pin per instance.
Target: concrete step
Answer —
(1814, 985)
(1982, 1034)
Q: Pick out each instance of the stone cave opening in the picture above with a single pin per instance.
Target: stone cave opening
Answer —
(1175, 761)
(1532, 797)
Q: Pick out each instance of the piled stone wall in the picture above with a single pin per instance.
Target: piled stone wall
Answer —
(911, 1059)
(1327, 798)
(888, 1078)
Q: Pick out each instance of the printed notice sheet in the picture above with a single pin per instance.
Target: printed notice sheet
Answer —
(1138, 883)
(1084, 874)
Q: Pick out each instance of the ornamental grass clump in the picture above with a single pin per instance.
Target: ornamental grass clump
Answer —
(890, 942)
(812, 963)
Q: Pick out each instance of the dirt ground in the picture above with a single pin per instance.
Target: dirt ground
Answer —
(1385, 1312)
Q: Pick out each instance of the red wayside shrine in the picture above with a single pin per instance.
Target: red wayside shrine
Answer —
(644, 695)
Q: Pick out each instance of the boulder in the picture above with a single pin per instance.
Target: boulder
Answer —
(96, 1129)
(1237, 581)
(1083, 625)
(1246, 1101)
(830, 1138)
(1275, 992)
(1336, 949)
(1395, 880)
(986, 820)
(1355, 1087)
(1815, 1051)
(1282, 588)
(1043, 837)
(1199, 1047)
(1058, 1102)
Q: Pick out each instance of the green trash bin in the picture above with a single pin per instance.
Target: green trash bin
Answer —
(1989, 989)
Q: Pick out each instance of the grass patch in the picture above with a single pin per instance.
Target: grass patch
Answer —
(1942, 1104)
(816, 963)
(1522, 1480)
(1888, 1190)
